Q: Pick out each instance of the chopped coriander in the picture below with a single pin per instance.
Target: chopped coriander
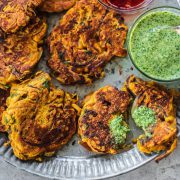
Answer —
(46, 84)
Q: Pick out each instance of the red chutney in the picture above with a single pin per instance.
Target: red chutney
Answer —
(125, 3)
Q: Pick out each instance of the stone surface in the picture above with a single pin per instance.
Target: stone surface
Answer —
(167, 169)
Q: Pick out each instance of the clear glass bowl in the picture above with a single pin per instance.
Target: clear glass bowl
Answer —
(157, 9)
(131, 10)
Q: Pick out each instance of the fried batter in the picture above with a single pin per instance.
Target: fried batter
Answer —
(56, 5)
(39, 118)
(163, 134)
(85, 40)
(101, 110)
(4, 93)
(20, 52)
(15, 14)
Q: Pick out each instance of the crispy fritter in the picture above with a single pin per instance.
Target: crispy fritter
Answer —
(85, 40)
(56, 5)
(99, 110)
(164, 132)
(39, 118)
(20, 52)
(4, 93)
(15, 14)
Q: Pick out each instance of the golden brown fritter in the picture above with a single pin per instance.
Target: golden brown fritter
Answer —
(20, 52)
(39, 118)
(85, 40)
(104, 108)
(56, 5)
(4, 93)
(164, 132)
(15, 14)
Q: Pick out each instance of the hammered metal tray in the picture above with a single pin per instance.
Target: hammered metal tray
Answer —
(73, 161)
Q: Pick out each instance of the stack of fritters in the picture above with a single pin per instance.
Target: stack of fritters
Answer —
(15, 14)
(56, 5)
(39, 118)
(84, 41)
(21, 51)
(99, 110)
(164, 132)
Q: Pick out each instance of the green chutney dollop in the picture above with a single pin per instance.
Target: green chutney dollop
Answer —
(144, 117)
(154, 45)
(119, 129)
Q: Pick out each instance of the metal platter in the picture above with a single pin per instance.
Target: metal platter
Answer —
(73, 161)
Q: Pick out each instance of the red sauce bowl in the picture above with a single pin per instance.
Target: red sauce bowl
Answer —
(125, 6)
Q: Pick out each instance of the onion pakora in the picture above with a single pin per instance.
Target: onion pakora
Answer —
(84, 41)
(153, 110)
(56, 5)
(4, 93)
(39, 118)
(15, 14)
(102, 123)
(20, 52)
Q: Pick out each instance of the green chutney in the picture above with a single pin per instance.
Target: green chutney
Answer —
(144, 117)
(154, 45)
(119, 129)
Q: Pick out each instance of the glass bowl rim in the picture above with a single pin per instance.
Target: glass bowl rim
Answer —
(128, 40)
(124, 10)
